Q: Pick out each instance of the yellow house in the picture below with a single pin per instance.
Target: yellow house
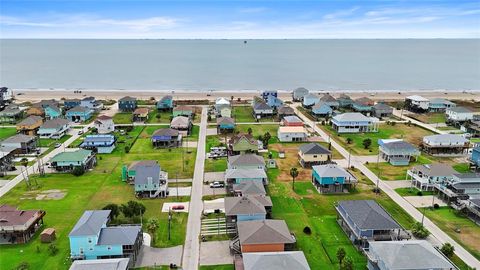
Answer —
(311, 154)
(30, 125)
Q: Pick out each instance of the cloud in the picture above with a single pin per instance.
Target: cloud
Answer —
(340, 13)
(253, 10)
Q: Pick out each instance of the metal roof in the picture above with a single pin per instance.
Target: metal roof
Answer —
(368, 215)
(120, 235)
(90, 223)
(101, 264)
(285, 260)
(246, 160)
(268, 231)
(313, 148)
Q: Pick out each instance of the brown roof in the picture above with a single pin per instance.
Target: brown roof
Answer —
(247, 205)
(141, 111)
(104, 117)
(183, 108)
(284, 109)
(225, 120)
(239, 136)
(268, 231)
(10, 216)
(364, 101)
(31, 120)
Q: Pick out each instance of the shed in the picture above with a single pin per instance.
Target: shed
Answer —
(48, 235)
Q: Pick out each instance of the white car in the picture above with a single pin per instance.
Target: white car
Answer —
(217, 184)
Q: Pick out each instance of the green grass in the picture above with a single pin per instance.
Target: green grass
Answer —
(258, 130)
(462, 167)
(122, 118)
(244, 114)
(165, 117)
(7, 132)
(215, 165)
(217, 267)
(52, 142)
(430, 118)
(214, 141)
(387, 171)
(412, 192)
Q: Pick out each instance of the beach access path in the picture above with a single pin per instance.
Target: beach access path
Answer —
(401, 115)
(357, 162)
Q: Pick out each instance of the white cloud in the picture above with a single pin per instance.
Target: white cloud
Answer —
(340, 13)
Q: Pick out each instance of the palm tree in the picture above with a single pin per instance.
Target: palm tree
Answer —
(152, 226)
(293, 173)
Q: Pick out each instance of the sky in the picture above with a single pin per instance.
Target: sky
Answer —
(273, 19)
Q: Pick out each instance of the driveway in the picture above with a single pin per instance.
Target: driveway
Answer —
(211, 206)
(215, 253)
(211, 131)
(399, 183)
(167, 206)
(207, 190)
(149, 256)
(214, 176)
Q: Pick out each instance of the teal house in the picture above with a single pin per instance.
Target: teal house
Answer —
(322, 109)
(148, 178)
(79, 114)
(225, 124)
(52, 112)
(331, 178)
(67, 161)
(165, 104)
(363, 105)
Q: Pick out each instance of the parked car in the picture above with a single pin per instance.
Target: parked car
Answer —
(80, 132)
(217, 184)
(57, 145)
(178, 207)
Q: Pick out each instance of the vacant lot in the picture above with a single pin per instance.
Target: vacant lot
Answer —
(7, 132)
(122, 118)
(245, 114)
(155, 116)
(430, 118)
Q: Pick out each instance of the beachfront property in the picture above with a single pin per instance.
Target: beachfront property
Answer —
(242, 143)
(417, 104)
(344, 101)
(461, 186)
(225, 125)
(54, 128)
(475, 158)
(99, 143)
(381, 110)
(331, 178)
(365, 221)
(292, 121)
(7, 155)
(23, 144)
(472, 127)
(458, 114)
(181, 123)
(238, 176)
(247, 208)
(148, 179)
(274, 102)
(311, 154)
(91, 103)
(6, 96)
(166, 138)
(310, 100)
(52, 112)
(183, 110)
(165, 103)
(445, 145)
(19, 226)
(322, 109)
(397, 152)
(292, 134)
(439, 105)
(127, 104)
(330, 101)
(354, 123)
(30, 125)
(265, 94)
(284, 260)
(252, 188)
(140, 114)
(363, 105)
(246, 161)
(299, 93)
(71, 103)
(412, 255)
(11, 114)
(79, 114)
(261, 108)
(68, 161)
(285, 110)
(91, 238)
(110, 264)
(223, 107)
(427, 176)
(104, 124)
(268, 235)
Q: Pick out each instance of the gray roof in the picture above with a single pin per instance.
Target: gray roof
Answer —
(31, 120)
(245, 173)
(100, 264)
(250, 188)
(400, 145)
(18, 138)
(268, 231)
(246, 205)
(331, 170)
(127, 98)
(327, 98)
(368, 214)
(120, 235)
(286, 260)
(79, 109)
(292, 118)
(225, 120)
(165, 98)
(440, 100)
(348, 117)
(313, 148)
(301, 89)
(446, 138)
(382, 106)
(436, 169)
(165, 132)
(475, 201)
(468, 176)
(99, 138)
(90, 223)
(146, 170)
(261, 106)
(55, 123)
(284, 109)
(413, 254)
(459, 110)
(469, 185)
(246, 160)
(180, 121)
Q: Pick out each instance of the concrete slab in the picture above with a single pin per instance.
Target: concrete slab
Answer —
(182, 191)
(399, 183)
(214, 176)
(211, 131)
(166, 206)
(423, 201)
(341, 162)
(207, 190)
(147, 239)
(211, 206)
(189, 144)
(215, 253)
(149, 256)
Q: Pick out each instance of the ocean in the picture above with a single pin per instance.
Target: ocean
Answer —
(396, 64)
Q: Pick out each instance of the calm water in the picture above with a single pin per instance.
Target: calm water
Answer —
(231, 64)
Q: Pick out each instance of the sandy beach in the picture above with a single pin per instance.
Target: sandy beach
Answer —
(39, 94)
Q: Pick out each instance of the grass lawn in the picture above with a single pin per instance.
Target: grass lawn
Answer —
(449, 220)
(412, 192)
(258, 130)
(387, 171)
(217, 267)
(245, 114)
(412, 134)
(430, 118)
(462, 167)
(165, 117)
(122, 118)
(7, 132)
(51, 142)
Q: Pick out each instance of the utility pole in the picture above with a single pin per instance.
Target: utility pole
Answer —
(169, 221)
(176, 181)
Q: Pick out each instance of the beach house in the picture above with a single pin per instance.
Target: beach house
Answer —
(91, 103)
(330, 100)
(247, 208)
(354, 123)
(79, 114)
(439, 105)
(181, 123)
(54, 128)
(252, 188)
(52, 112)
(110, 264)
(363, 105)
(225, 124)
(292, 134)
(183, 110)
(6, 96)
(310, 100)
(458, 114)
(475, 158)
(19, 226)
(23, 144)
(265, 94)
(166, 138)
(11, 114)
(127, 104)
(274, 102)
(223, 107)
(381, 110)
(322, 109)
(246, 161)
(445, 145)
(91, 238)
(345, 101)
(68, 161)
(426, 176)
(71, 103)
(417, 103)
(331, 178)
(104, 124)
(397, 152)
(30, 125)
(7, 155)
(165, 103)
(310, 154)
(100, 143)
(460, 187)
(261, 109)
(237, 176)
(299, 93)
(292, 121)
(283, 260)
(242, 143)
(36, 109)
(140, 114)
(285, 110)
(148, 178)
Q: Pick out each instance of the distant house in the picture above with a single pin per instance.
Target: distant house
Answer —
(242, 143)
(310, 154)
(354, 123)
(79, 114)
(225, 124)
(183, 110)
(472, 207)
(262, 109)
(165, 103)
(292, 134)
(100, 143)
(223, 107)
(11, 114)
(344, 101)
(285, 110)
(148, 178)
(110, 264)
(140, 114)
(460, 187)
(292, 121)
(365, 221)
(425, 177)
(7, 155)
(475, 157)
(182, 123)
(445, 145)
(68, 161)
(91, 238)
(237, 176)
(274, 102)
(381, 110)
(322, 109)
(19, 226)
(331, 178)
(284, 260)
(459, 114)
(413, 255)
(417, 103)
(330, 101)
(267, 235)
(104, 124)
(472, 127)
(52, 112)
(252, 188)
(36, 110)
(397, 152)
(71, 103)
(6, 96)
(127, 104)
(310, 100)
(439, 105)
(299, 93)
(225, 112)
(166, 138)
(91, 103)
(247, 208)
(268, 93)
(54, 128)
(23, 144)
(363, 105)
(30, 125)
(246, 161)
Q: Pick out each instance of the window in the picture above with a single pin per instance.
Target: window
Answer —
(315, 156)
(89, 240)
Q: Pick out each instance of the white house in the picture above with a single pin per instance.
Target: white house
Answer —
(417, 102)
(292, 134)
(354, 123)
(104, 124)
(459, 114)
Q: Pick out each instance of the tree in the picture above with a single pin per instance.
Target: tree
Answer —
(152, 226)
(448, 250)
(419, 231)
(341, 254)
(367, 142)
(249, 131)
(158, 116)
(114, 210)
(209, 118)
(347, 264)
(24, 162)
(132, 209)
(293, 174)
(127, 149)
(349, 140)
(78, 171)
(266, 138)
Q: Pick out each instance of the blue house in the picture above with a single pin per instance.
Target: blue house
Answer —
(71, 103)
(330, 101)
(238, 176)
(101, 143)
(52, 112)
(440, 105)
(166, 103)
(397, 152)
(475, 158)
(79, 114)
(268, 93)
(322, 109)
(148, 178)
(363, 105)
(247, 207)
(274, 102)
(91, 103)
(310, 100)
(92, 239)
(127, 104)
(331, 178)
(344, 101)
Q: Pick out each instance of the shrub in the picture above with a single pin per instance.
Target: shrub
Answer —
(307, 230)
(436, 206)
(78, 171)
(22, 266)
(419, 231)
(419, 193)
(448, 250)
(52, 249)
(127, 149)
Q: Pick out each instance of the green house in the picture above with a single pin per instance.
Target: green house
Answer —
(243, 143)
(67, 161)
(183, 111)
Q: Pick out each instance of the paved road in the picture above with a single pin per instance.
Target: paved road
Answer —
(417, 215)
(191, 251)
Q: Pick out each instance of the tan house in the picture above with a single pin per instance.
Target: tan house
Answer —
(140, 115)
(311, 154)
(30, 125)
